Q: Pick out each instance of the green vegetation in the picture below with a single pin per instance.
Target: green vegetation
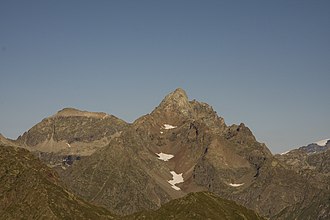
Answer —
(200, 205)
(31, 190)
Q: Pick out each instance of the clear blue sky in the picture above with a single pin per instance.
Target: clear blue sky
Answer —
(264, 63)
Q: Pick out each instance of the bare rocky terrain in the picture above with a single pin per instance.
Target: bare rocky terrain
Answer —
(70, 132)
(182, 147)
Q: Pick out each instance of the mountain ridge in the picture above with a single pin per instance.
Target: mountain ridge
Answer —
(72, 131)
(124, 173)
(69, 112)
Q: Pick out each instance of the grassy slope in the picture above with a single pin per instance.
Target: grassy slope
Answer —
(30, 190)
(201, 205)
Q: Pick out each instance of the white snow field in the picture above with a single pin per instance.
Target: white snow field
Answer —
(164, 157)
(167, 126)
(236, 184)
(322, 142)
(177, 178)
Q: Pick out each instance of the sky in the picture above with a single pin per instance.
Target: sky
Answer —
(263, 63)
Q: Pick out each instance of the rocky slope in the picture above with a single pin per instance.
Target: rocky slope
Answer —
(316, 147)
(181, 147)
(206, 154)
(312, 162)
(31, 190)
(201, 205)
(71, 132)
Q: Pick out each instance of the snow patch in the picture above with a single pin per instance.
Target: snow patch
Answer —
(167, 126)
(177, 178)
(236, 184)
(322, 142)
(164, 157)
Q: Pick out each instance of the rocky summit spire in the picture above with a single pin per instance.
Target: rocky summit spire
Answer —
(177, 98)
(175, 105)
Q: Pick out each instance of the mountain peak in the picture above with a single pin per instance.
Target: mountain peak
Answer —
(179, 91)
(177, 98)
(175, 104)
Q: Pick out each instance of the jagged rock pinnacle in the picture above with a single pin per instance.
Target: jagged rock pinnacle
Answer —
(177, 98)
(174, 106)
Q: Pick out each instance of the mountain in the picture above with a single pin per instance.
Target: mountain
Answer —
(131, 173)
(70, 132)
(314, 158)
(31, 190)
(71, 128)
(315, 147)
(312, 162)
(319, 146)
(181, 147)
(200, 205)
(129, 165)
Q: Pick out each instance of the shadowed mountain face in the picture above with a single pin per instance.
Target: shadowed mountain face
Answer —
(201, 205)
(31, 190)
(181, 147)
